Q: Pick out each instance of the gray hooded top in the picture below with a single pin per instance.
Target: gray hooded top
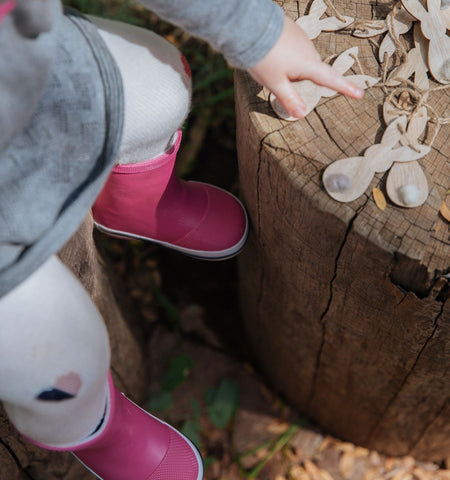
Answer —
(61, 112)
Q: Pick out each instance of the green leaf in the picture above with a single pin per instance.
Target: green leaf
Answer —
(191, 429)
(222, 403)
(179, 369)
(208, 461)
(196, 407)
(160, 401)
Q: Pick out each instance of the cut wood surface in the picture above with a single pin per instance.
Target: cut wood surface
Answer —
(20, 460)
(346, 306)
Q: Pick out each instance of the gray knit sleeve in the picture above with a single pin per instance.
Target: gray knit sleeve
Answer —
(242, 30)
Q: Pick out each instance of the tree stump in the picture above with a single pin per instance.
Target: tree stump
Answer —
(346, 306)
(18, 458)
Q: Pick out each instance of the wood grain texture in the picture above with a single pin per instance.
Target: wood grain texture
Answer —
(20, 460)
(345, 305)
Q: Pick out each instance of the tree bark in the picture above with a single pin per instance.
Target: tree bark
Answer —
(346, 306)
(18, 458)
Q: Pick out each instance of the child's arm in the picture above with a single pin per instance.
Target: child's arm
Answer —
(256, 36)
(293, 57)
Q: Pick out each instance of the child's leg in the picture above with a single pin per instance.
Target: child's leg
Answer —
(54, 361)
(157, 89)
(143, 198)
(54, 357)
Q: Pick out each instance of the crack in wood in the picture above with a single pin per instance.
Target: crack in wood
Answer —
(322, 121)
(322, 320)
(373, 432)
(424, 430)
(258, 181)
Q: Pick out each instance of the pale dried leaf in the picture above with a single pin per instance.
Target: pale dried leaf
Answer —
(361, 452)
(379, 198)
(408, 462)
(347, 464)
(298, 473)
(445, 211)
(346, 447)
(293, 454)
(402, 475)
(389, 464)
(442, 475)
(280, 477)
(375, 459)
(421, 474)
(325, 475)
(372, 474)
(312, 470)
(261, 453)
(326, 442)
(277, 427)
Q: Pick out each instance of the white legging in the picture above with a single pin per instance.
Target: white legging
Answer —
(54, 348)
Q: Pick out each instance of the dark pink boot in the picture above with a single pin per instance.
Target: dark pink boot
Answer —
(131, 444)
(147, 201)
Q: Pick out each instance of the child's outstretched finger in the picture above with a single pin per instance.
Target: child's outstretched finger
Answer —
(289, 98)
(323, 74)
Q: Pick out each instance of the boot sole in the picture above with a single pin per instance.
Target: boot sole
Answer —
(199, 254)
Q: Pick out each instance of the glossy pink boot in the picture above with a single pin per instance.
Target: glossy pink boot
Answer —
(147, 201)
(131, 444)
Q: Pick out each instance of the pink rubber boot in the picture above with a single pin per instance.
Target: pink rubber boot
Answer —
(131, 444)
(147, 201)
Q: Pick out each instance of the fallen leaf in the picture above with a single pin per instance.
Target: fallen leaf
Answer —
(380, 201)
(293, 454)
(375, 458)
(402, 475)
(346, 447)
(373, 474)
(428, 466)
(277, 427)
(389, 464)
(445, 211)
(325, 475)
(298, 473)
(408, 463)
(347, 464)
(422, 474)
(312, 470)
(326, 442)
(361, 452)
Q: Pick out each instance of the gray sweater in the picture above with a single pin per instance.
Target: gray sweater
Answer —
(242, 30)
(61, 113)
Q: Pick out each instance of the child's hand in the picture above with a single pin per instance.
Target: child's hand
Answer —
(294, 58)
